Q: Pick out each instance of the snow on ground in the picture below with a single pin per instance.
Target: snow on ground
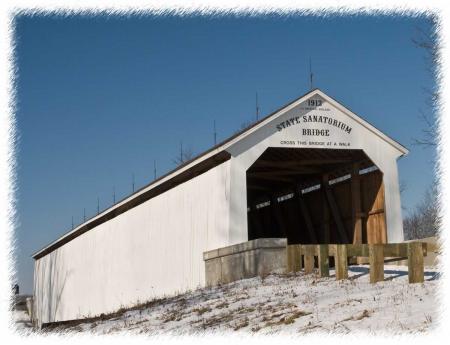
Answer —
(22, 321)
(288, 303)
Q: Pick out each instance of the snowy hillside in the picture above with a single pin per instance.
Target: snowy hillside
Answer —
(294, 303)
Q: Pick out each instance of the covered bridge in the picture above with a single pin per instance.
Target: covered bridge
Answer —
(311, 172)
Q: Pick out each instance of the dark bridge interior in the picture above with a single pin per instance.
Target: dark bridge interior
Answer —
(315, 196)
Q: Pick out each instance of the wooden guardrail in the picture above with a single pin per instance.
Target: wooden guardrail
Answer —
(413, 251)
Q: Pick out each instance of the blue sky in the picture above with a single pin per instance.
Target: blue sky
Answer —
(101, 98)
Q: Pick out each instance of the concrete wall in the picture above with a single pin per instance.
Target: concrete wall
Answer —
(245, 260)
(152, 250)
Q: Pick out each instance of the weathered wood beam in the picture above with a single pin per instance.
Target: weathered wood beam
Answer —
(370, 213)
(335, 173)
(302, 162)
(415, 262)
(308, 258)
(356, 204)
(310, 248)
(259, 229)
(276, 173)
(340, 261)
(389, 249)
(375, 252)
(307, 218)
(294, 258)
(331, 173)
(325, 210)
(269, 178)
(376, 261)
(276, 213)
(336, 215)
(323, 260)
(278, 167)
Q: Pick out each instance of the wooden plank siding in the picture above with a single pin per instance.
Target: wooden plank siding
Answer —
(372, 195)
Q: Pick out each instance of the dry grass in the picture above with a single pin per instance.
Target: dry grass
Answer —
(282, 305)
(172, 315)
(244, 310)
(365, 313)
(201, 310)
(285, 319)
(221, 305)
(216, 320)
(241, 324)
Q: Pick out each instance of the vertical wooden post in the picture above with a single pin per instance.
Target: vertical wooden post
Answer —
(326, 211)
(324, 267)
(415, 262)
(294, 258)
(340, 262)
(307, 218)
(376, 260)
(336, 215)
(289, 258)
(276, 214)
(258, 229)
(356, 204)
(308, 256)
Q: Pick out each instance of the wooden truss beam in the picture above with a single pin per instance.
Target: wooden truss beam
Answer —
(301, 162)
(275, 174)
(270, 178)
(336, 215)
(276, 213)
(307, 218)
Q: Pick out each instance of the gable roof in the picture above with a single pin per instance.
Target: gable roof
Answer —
(247, 131)
(198, 165)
